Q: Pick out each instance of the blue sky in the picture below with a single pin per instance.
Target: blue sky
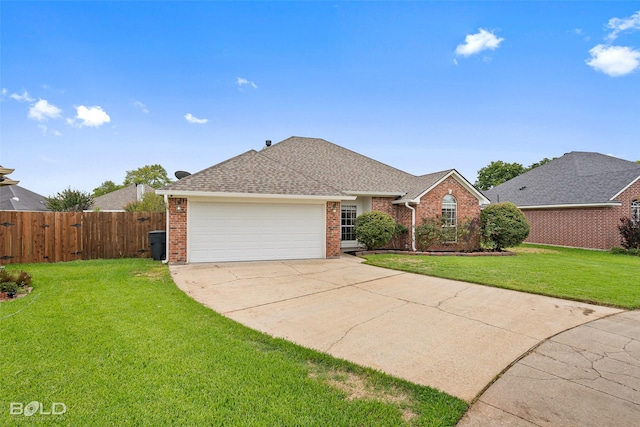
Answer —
(91, 90)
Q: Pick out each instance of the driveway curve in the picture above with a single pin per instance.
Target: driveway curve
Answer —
(446, 334)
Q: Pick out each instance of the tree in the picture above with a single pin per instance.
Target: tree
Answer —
(105, 188)
(70, 201)
(150, 202)
(503, 226)
(496, 173)
(153, 175)
(375, 229)
(540, 163)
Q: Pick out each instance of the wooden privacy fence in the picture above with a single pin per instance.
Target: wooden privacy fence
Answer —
(27, 237)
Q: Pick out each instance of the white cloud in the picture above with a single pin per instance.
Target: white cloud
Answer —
(141, 106)
(244, 82)
(89, 116)
(24, 96)
(476, 43)
(4, 92)
(614, 61)
(192, 119)
(45, 131)
(42, 110)
(619, 25)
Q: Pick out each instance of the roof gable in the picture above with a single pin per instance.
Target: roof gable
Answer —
(577, 178)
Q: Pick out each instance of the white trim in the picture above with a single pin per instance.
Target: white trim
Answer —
(460, 179)
(183, 193)
(576, 206)
(623, 190)
(413, 226)
(377, 193)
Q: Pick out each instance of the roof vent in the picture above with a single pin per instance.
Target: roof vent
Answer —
(268, 143)
(522, 188)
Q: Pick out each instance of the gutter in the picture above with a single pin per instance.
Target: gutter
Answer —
(413, 226)
(166, 249)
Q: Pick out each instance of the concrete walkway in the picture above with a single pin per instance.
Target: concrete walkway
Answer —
(588, 376)
(451, 335)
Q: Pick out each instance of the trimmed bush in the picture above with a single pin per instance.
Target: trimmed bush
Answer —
(375, 229)
(503, 226)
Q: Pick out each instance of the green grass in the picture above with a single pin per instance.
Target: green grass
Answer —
(118, 343)
(577, 274)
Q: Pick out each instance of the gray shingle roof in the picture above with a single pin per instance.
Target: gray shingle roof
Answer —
(16, 198)
(306, 166)
(117, 200)
(575, 178)
(253, 173)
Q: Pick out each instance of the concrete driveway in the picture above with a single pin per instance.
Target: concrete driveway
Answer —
(450, 335)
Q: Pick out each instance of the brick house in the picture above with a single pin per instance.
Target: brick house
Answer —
(298, 199)
(576, 200)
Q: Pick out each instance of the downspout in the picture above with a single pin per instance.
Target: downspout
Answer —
(413, 226)
(166, 250)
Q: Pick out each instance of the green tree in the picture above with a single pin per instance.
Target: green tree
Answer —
(503, 226)
(153, 175)
(105, 188)
(150, 202)
(70, 201)
(540, 163)
(496, 173)
(375, 229)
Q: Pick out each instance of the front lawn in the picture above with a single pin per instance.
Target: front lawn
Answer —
(117, 343)
(577, 274)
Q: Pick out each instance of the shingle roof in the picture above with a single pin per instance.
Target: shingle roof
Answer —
(306, 166)
(575, 178)
(253, 173)
(117, 200)
(16, 198)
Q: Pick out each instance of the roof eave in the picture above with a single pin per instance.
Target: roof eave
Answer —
(625, 188)
(573, 206)
(462, 181)
(219, 194)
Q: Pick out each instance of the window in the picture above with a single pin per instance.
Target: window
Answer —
(348, 222)
(635, 211)
(449, 218)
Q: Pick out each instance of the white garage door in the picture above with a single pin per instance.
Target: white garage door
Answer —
(252, 232)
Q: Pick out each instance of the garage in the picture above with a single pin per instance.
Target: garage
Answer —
(220, 232)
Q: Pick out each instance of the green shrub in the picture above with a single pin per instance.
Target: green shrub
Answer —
(14, 281)
(9, 287)
(374, 229)
(622, 251)
(462, 237)
(428, 233)
(503, 226)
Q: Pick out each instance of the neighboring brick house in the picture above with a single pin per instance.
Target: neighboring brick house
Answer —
(298, 199)
(576, 200)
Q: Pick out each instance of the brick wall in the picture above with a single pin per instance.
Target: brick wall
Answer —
(430, 206)
(594, 228)
(333, 230)
(177, 235)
